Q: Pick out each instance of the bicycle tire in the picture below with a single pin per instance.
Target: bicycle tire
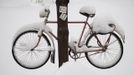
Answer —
(90, 59)
(21, 62)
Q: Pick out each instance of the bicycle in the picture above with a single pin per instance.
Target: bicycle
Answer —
(34, 44)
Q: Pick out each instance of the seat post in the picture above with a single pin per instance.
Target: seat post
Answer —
(86, 20)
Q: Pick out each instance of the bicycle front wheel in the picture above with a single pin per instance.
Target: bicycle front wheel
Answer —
(27, 58)
(108, 58)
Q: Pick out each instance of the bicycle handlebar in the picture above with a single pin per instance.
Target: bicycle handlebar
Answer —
(44, 13)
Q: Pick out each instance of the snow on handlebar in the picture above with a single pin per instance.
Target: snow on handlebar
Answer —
(44, 13)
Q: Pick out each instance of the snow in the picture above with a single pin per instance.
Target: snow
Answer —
(44, 13)
(74, 46)
(73, 68)
(37, 27)
(49, 48)
(14, 18)
(72, 43)
(34, 26)
(101, 23)
(120, 31)
(88, 9)
(44, 3)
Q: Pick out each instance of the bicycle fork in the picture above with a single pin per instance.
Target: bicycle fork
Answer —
(39, 37)
(40, 32)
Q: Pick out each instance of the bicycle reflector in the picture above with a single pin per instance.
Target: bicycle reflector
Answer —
(44, 13)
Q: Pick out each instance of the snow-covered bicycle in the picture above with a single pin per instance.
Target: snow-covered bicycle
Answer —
(102, 44)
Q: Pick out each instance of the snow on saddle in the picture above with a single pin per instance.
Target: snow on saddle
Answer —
(88, 11)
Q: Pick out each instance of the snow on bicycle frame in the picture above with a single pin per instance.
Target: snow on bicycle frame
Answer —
(105, 24)
(102, 23)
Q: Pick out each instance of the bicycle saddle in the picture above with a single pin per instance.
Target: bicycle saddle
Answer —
(88, 11)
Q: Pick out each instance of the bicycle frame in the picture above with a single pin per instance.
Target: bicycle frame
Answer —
(74, 22)
(82, 33)
(83, 46)
(91, 49)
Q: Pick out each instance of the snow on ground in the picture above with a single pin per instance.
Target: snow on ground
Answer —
(12, 18)
(73, 68)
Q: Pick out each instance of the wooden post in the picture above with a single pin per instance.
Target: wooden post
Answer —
(62, 18)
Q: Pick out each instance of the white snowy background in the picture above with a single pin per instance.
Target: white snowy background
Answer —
(17, 13)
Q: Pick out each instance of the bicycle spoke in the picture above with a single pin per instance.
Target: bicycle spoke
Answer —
(37, 58)
(115, 53)
(21, 49)
(95, 53)
(107, 39)
(42, 49)
(22, 55)
(94, 46)
(25, 56)
(111, 54)
(112, 42)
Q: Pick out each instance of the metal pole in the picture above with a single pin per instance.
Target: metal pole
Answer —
(62, 18)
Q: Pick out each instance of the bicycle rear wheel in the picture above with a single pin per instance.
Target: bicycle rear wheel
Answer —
(27, 58)
(108, 58)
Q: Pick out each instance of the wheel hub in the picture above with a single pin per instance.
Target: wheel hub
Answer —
(105, 48)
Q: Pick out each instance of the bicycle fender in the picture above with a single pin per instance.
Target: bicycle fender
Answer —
(107, 29)
(120, 31)
(106, 24)
(36, 26)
